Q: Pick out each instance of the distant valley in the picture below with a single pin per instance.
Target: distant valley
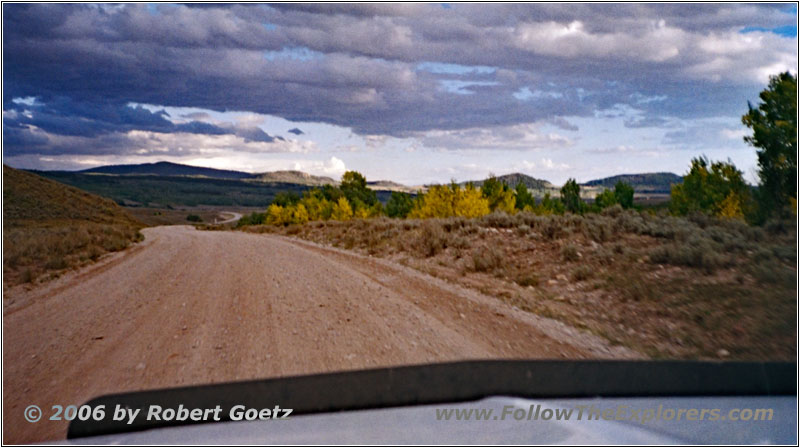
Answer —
(165, 184)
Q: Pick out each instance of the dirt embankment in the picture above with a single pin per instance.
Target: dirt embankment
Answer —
(189, 307)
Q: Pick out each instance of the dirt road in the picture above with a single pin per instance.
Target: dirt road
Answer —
(191, 307)
(234, 217)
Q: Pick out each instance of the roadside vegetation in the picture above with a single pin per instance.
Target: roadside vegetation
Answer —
(49, 227)
(671, 287)
(713, 275)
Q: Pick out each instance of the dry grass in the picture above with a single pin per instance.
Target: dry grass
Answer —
(49, 227)
(668, 287)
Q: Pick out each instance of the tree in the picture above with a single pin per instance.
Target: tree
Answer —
(342, 210)
(399, 205)
(623, 193)
(299, 214)
(470, 203)
(716, 188)
(524, 198)
(354, 188)
(774, 125)
(316, 204)
(438, 202)
(278, 215)
(571, 197)
(605, 199)
(499, 194)
(286, 198)
(550, 206)
(331, 193)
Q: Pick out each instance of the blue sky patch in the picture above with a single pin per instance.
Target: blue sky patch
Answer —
(442, 68)
(295, 53)
(785, 31)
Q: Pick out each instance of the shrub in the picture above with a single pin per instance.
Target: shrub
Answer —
(695, 253)
(194, 218)
(582, 273)
(486, 259)
(431, 239)
(570, 253)
(527, 279)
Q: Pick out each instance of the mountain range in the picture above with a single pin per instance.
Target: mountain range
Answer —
(642, 182)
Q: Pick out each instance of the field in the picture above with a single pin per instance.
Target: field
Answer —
(690, 288)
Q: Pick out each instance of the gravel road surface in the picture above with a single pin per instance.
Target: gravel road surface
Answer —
(193, 307)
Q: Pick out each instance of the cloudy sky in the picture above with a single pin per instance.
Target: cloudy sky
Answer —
(415, 93)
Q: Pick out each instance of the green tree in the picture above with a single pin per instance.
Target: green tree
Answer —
(716, 188)
(499, 194)
(571, 197)
(774, 125)
(550, 206)
(354, 187)
(286, 198)
(331, 193)
(524, 198)
(399, 205)
(623, 192)
(605, 199)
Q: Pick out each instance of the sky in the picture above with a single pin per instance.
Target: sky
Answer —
(415, 93)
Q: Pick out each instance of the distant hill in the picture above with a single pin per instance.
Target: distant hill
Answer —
(167, 169)
(293, 177)
(513, 179)
(49, 226)
(161, 191)
(388, 185)
(641, 183)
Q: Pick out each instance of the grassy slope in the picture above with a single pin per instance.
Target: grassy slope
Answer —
(668, 287)
(48, 226)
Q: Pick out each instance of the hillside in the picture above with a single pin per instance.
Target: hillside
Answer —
(387, 185)
(513, 179)
(49, 226)
(163, 191)
(167, 169)
(641, 183)
(293, 177)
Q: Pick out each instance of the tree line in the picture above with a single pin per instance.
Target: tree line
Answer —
(716, 188)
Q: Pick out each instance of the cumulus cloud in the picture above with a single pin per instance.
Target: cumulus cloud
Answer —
(333, 167)
(470, 76)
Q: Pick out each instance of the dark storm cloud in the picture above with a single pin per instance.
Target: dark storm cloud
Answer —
(64, 117)
(358, 65)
